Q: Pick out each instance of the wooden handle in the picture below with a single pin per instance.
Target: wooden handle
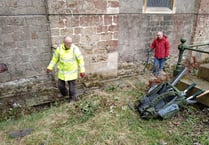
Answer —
(204, 93)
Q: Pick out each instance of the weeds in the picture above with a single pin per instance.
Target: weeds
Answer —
(104, 118)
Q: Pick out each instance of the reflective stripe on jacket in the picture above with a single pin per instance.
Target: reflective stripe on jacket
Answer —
(68, 62)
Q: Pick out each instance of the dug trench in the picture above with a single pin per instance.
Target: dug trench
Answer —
(41, 95)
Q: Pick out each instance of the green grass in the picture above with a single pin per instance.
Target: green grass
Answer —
(104, 118)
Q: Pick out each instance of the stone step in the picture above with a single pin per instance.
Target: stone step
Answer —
(200, 85)
(203, 71)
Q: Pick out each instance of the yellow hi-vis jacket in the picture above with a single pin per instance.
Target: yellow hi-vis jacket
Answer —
(68, 62)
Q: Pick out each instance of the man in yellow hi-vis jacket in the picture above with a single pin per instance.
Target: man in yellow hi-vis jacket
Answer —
(69, 61)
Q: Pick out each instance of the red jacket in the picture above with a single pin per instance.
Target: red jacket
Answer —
(161, 47)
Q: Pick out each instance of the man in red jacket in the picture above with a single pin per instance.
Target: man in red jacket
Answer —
(160, 46)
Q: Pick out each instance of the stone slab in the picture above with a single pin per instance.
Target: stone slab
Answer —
(204, 71)
(200, 85)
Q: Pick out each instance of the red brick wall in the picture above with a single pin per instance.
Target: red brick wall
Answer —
(93, 25)
(201, 29)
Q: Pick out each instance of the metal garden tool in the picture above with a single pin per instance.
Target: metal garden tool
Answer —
(149, 52)
(203, 98)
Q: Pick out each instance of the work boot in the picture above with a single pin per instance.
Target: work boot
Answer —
(73, 99)
(162, 73)
(156, 74)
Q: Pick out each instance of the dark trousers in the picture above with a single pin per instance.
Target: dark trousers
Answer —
(63, 89)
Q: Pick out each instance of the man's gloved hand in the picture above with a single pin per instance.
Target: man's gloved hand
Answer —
(166, 58)
(48, 70)
(82, 75)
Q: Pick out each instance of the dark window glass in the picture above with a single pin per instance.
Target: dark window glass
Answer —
(160, 3)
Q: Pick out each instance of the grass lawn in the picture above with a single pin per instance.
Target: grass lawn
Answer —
(104, 118)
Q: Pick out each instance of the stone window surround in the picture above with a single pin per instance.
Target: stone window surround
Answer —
(159, 10)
